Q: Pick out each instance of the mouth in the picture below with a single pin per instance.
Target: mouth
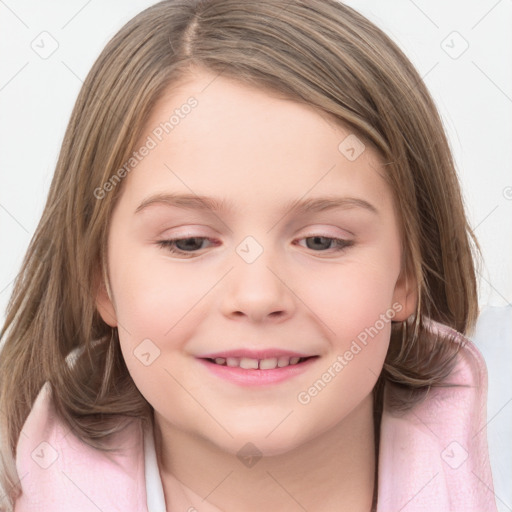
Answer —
(248, 363)
(246, 371)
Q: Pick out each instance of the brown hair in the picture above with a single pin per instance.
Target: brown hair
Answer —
(318, 52)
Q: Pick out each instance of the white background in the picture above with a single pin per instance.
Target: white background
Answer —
(473, 91)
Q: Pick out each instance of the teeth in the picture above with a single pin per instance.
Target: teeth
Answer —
(248, 364)
(268, 364)
(253, 364)
(283, 361)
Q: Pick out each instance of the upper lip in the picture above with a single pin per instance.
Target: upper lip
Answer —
(267, 353)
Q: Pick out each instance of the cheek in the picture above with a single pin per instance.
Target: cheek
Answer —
(353, 302)
(155, 312)
(160, 305)
(152, 296)
(354, 305)
(351, 296)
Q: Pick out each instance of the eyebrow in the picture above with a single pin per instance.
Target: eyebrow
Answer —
(297, 206)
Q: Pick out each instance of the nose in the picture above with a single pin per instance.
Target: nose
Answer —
(258, 291)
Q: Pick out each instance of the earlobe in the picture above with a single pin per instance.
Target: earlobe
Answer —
(105, 303)
(406, 295)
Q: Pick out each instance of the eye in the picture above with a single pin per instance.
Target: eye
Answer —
(186, 247)
(189, 245)
(324, 243)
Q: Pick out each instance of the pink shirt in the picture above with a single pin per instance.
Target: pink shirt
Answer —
(433, 457)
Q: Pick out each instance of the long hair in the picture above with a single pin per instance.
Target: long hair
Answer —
(316, 52)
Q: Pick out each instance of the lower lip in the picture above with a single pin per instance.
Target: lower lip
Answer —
(253, 377)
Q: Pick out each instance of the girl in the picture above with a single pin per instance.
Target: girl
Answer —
(177, 341)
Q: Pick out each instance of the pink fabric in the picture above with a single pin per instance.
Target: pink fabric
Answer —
(432, 458)
(435, 457)
(58, 472)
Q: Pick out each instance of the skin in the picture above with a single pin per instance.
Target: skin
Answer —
(259, 151)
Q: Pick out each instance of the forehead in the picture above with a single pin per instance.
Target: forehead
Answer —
(251, 147)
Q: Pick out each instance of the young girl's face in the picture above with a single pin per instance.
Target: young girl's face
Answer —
(254, 277)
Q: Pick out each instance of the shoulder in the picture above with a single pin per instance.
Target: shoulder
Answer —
(435, 454)
(58, 471)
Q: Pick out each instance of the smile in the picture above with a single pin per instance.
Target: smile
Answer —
(248, 363)
(246, 371)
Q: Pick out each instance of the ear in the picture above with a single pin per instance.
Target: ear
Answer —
(104, 301)
(405, 294)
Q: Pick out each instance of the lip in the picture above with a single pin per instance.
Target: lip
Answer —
(266, 353)
(256, 377)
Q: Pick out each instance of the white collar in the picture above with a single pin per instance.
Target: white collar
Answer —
(154, 489)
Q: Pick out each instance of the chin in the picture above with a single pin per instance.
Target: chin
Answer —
(259, 443)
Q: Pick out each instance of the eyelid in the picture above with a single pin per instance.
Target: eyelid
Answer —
(323, 232)
(340, 245)
(307, 234)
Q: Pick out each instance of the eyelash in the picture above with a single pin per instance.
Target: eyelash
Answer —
(340, 244)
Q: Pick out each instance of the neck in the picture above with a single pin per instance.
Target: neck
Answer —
(333, 471)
